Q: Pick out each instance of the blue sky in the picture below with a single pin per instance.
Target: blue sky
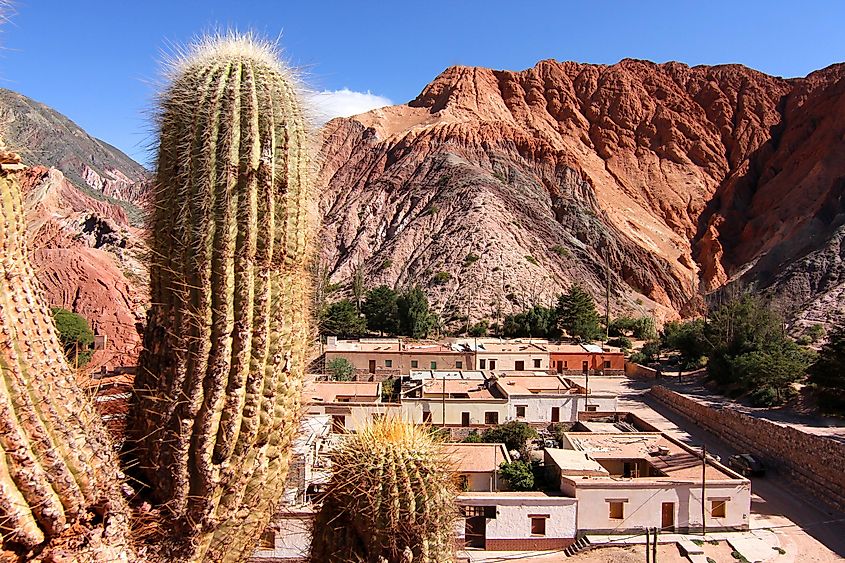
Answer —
(96, 61)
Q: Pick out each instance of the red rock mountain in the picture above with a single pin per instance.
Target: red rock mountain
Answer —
(672, 180)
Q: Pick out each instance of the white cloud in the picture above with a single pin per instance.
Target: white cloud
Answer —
(344, 103)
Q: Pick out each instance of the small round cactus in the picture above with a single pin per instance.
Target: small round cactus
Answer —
(391, 498)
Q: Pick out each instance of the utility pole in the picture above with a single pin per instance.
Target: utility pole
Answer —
(647, 544)
(703, 489)
(654, 546)
(443, 422)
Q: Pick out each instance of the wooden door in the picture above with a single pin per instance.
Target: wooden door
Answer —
(372, 366)
(667, 520)
(464, 419)
(475, 531)
(555, 414)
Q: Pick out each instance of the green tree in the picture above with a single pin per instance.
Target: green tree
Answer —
(518, 474)
(341, 318)
(75, 335)
(643, 328)
(480, 328)
(340, 369)
(576, 314)
(828, 371)
(536, 322)
(382, 310)
(415, 318)
(514, 435)
(688, 338)
(775, 367)
(358, 285)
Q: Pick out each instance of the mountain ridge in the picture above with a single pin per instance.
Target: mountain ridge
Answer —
(665, 157)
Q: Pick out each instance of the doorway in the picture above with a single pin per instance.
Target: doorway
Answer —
(667, 519)
(555, 414)
(475, 531)
(372, 366)
(464, 419)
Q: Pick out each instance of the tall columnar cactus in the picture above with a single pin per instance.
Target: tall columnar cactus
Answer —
(220, 377)
(59, 481)
(390, 498)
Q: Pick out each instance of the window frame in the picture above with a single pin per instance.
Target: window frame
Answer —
(610, 512)
(538, 524)
(523, 408)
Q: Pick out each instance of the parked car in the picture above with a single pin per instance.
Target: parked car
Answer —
(747, 465)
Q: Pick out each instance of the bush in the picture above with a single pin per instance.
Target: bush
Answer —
(532, 260)
(764, 397)
(815, 333)
(340, 369)
(473, 438)
(514, 435)
(481, 328)
(560, 251)
(441, 278)
(75, 335)
(620, 342)
(518, 474)
(470, 259)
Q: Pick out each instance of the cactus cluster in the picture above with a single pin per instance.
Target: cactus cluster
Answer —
(390, 498)
(57, 466)
(220, 376)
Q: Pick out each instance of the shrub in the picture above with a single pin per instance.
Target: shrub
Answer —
(470, 259)
(560, 251)
(763, 397)
(514, 435)
(473, 438)
(620, 342)
(481, 328)
(340, 369)
(518, 474)
(441, 278)
(532, 260)
(75, 335)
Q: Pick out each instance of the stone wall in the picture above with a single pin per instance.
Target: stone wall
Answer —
(814, 462)
(636, 371)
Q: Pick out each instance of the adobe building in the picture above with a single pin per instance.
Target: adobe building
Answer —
(476, 466)
(628, 481)
(380, 358)
(578, 359)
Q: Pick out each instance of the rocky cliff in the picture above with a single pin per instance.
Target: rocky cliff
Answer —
(665, 181)
(89, 259)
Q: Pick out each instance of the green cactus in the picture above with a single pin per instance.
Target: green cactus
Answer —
(390, 498)
(59, 480)
(220, 377)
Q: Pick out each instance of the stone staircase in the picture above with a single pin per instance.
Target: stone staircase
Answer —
(582, 544)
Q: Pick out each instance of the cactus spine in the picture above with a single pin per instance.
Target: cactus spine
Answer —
(58, 473)
(390, 498)
(220, 376)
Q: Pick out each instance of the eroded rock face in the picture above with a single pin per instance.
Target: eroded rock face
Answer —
(89, 260)
(673, 180)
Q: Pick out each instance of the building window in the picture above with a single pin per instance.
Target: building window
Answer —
(463, 483)
(537, 362)
(592, 408)
(482, 364)
(491, 418)
(607, 364)
(415, 364)
(617, 509)
(471, 511)
(268, 540)
(520, 411)
(717, 508)
(565, 365)
(519, 365)
(538, 524)
(433, 365)
(492, 364)
(388, 363)
(459, 364)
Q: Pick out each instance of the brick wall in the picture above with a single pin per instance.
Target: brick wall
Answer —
(814, 462)
(636, 371)
(527, 544)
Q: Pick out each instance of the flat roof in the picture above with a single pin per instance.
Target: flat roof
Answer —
(439, 375)
(476, 458)
(329, 391)
(473, 388)
(511, 347)
(533, 385)
(663, 453)
(575, 460)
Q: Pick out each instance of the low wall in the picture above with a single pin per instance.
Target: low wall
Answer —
(636, 371)
(814, 462)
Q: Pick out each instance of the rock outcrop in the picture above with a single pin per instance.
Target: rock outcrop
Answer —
(670, 180)
(89, 259)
